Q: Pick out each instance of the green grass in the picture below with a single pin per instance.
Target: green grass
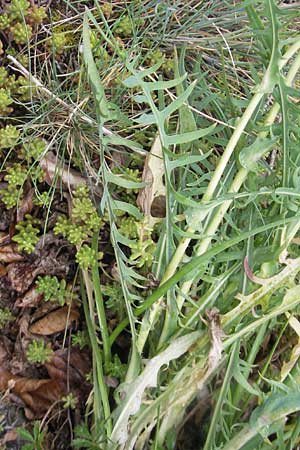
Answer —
(218, 83)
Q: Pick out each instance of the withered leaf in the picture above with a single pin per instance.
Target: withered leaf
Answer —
(55, 322)
(26, 205)
(47, 259)
(36, 394)
(31, 299)
(71, 365)
(22, 275)
(68, 177)
(216, 335)
(155, 190)
(9, 254)
(6, 215)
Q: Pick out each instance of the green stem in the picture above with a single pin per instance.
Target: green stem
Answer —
(237, 183)
(188, 268)
(97, 357)
(100, 307)
(215, 180)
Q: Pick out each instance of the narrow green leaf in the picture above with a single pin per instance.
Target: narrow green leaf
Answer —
(101, 102)
(188, 137)
(176, 104)
(145, 119)
(250, 156)
(123, 182)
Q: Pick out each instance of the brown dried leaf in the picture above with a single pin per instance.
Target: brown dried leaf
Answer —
(31, 299)
(47, 259)
(152, 198)
(10, 436)
(71, 365)
(55, 322)
(6, 215)
(9, 254)
(216, 335)
(5, 351)
(26, 205)
(22, 275)
(70, 178)
(38, 395)
(3, 270)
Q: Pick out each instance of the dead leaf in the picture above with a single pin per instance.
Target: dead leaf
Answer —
(10, 436)
(6, 215)
(3, 270)
(38, 395)
(69, 365)
(22, 275)
(5, 351)
(216, 335)
(7, 294)
(9, 254)
(31, 299)
(26, 205)
(55, 322)
(152, 198)
(70, 178)
(47, 259)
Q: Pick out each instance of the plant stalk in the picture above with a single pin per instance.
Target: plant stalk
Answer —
(100, 307)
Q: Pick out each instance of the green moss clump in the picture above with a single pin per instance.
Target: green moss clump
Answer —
(5, 102)
(27, 236)
(9, 136)
(6, 316)
(86, 257)
(84, 219)
(5, 21)
(18, 9)
(37, 14)
(38, 352)
(21, 32)
(59, 42)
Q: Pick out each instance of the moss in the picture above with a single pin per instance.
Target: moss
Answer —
(59, 42)
(37, 15)
(9, 136)
(21, 32)
(5, 21)
(5, 102)
(18, 9)
(27, 235)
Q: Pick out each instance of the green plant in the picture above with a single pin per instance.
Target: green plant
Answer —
(59, 41)
(38, 352)
(86, 257)
(114, 299)
(18, 9)
(81, 338)
(142, 252)
(6, 316)
(70, 401)
(9, 136)
(37, 14)
(21, 33)
(85, 439)
(5, 102)
(53, 289)
(84, 219)
(35, 440)
(16, 175)
(124, 27)
(27, 235)
(117, 369)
